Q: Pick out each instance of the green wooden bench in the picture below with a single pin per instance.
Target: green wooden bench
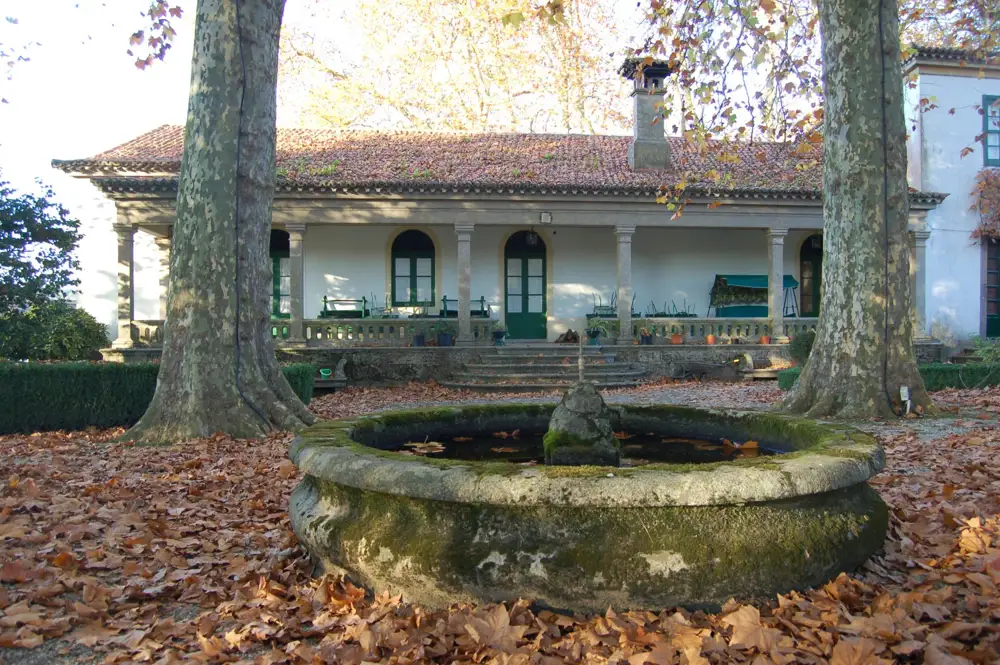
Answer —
(344, 308)
(478, 309)
(742, 296)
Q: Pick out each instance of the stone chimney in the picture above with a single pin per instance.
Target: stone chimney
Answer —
(649, 148)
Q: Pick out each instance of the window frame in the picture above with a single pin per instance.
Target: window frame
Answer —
(990, 101)
(276, 294)
(412, 255)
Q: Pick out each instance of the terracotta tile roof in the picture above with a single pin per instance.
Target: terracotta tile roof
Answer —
(386, 161)
(317, 157)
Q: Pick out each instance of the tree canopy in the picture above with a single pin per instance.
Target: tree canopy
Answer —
(37, 239)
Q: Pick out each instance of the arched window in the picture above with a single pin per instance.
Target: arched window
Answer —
(412, 269)
(281, 276)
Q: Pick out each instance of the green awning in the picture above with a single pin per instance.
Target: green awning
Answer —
(753, 281)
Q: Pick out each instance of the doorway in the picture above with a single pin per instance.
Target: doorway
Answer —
(810, 275)
(525, 306)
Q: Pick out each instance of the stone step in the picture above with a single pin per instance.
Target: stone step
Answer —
(545, 360)
(538, 368)
(459, 384)
(568, 376)
(547, 349)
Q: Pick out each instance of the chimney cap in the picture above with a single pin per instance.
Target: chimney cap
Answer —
(645, 67)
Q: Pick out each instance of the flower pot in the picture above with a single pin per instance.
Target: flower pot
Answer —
(765, 339)
(709, 339)
(646, 340)
(444, 339)
(593, 334)
(677, 338)
(498, 337)
(418, 339)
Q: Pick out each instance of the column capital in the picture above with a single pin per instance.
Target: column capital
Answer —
(295, 228)
(920, 238)
(464, 229)
(163, 242)
(775, 234)
(124, 229)
(624, 230)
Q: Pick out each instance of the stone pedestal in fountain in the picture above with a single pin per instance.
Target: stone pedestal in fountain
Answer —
(581, 430)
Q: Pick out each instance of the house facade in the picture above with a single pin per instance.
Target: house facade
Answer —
(378, 236)
(961, 298)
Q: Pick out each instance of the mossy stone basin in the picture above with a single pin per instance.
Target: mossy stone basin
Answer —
(584, 538)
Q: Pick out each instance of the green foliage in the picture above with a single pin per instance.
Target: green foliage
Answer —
(52, 331)
(801, 346)
(937, 376)
(301, 377)
(39, 396)
(988, 349)
(37, 239)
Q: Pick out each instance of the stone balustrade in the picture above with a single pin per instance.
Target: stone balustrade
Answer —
(696, 329)
(401, 332)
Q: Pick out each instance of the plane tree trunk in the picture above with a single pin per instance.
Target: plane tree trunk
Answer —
(863, 352)
(218, 371)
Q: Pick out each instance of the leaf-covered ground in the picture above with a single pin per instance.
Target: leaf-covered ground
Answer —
(111, 553)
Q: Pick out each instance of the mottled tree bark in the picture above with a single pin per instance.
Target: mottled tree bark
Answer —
(863, 353)
(218, 371)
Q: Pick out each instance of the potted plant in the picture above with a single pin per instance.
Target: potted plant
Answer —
(499, 334)
(709, 338)
(594, 331)
(677, 338)
(645, 337)
(445, 333)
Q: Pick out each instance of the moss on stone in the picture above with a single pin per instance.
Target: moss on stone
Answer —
(587, 558)
(798, 436)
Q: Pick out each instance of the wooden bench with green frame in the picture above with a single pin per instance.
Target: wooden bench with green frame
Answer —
(344, 308)
(741, 296)
(478, 309)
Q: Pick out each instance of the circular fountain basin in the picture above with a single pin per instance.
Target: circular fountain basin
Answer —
(442, 530)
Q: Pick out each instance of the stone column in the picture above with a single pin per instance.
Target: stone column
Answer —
(624, 234)
(295, 264)
(127, 332)
(918, 261)
(163, 247)
(464, 232)
(776, 282)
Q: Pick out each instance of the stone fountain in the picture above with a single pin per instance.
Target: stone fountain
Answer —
(581, 532)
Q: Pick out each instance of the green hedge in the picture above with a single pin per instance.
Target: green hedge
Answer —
(937, 376)
(37, 397)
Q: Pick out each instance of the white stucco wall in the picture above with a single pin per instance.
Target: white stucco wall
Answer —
(668, 264)
(954, 260)
(350, 261)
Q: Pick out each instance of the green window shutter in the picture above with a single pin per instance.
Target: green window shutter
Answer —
(991, 130)
(412, 270)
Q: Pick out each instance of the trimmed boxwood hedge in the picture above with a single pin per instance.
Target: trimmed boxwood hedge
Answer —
(937, 376)
(37, 397)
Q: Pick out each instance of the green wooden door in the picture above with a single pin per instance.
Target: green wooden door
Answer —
(992, 285)
(810, 275)
(524, 286)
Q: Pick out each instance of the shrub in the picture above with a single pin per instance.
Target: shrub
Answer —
(801, 346)
(54, 331)
(936, 376)
(41, 396)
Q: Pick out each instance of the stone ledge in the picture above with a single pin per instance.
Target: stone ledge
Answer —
(822, 458)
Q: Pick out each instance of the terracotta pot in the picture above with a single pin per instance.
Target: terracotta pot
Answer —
(765, 339)
(677, 338)
(709, 339)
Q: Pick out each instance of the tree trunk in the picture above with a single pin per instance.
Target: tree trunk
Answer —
(863, 352)
(218, 371)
